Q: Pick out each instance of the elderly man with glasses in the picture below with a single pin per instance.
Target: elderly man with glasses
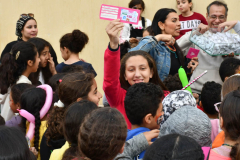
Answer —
(216, 15)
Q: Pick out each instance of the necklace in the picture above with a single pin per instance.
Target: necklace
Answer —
(227, 145)
(172, 50)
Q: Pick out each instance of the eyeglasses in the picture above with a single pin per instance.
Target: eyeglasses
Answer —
(213, 17)
(25, 15)
(217, 105)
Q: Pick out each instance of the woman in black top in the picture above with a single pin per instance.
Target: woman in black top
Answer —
(26, 28)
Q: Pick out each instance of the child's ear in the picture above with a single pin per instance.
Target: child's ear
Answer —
(79, 99)
(221, 122)
(30, 63)
(151, 73)
(225, 79)
(18, 105)
(200, 104)
(148, 118)
(122, 149)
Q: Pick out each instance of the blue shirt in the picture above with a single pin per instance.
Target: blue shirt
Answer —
(87, 67)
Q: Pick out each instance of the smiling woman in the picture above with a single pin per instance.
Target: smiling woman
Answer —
(162, 47)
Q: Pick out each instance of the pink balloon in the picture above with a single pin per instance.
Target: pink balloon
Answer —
(30, 132)
(27, 115)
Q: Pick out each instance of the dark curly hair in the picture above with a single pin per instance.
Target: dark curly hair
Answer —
(229, 67)
(17, 90)
(73, 119)
(12, 67)
(142, 99)
(211, 94)
(74, 41)
(72, 87)
(102, 134)
(173, 83)
(32, 100)
(174, 146)
(230, 112)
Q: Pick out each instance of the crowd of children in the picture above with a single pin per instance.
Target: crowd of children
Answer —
(50, 110)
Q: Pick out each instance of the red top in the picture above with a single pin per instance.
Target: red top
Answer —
(111, 83)
(191, 22)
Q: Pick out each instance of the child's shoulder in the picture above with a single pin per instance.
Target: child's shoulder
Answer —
(197, 14)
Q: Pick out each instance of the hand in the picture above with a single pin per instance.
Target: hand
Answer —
(52, 66)
(151, 134)
(34, 151)
(229, 24)
(193, 63)
(112, 30)
(202, 28)
(133, 40)
(166, 38)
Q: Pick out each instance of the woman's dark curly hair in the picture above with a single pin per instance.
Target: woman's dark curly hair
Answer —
(15, 63)
(72, 87)
(32, 100)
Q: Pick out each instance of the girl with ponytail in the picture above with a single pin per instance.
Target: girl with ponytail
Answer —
(229, 117)
(70, 45)
(15, 68)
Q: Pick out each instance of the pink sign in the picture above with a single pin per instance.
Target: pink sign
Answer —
(126, 15)
(192, 53)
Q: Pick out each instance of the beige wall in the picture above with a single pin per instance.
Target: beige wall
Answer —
(57, 17)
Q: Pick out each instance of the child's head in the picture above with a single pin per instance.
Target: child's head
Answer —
(174, 146)
(231, 84)
(189, 121)
(173, 83)
(148, 31)
(138, 66)
(73, 87)
(15, 95)
(143, 105)
(137, 4)
(72, 43)
(230, 120)
(14, 145)
(32, 100)
(2, 121)
(102, 134)
(22, 58)
(211, 94)
(73, 119)
(184, 5)
(229, 67)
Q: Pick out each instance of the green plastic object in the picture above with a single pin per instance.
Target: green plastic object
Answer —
(183, 77)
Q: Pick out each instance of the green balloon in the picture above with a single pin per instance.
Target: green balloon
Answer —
(183, 77)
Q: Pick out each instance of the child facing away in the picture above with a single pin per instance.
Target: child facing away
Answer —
(15, 68)
(229, 67)
(143, 105)
(15, 95)
(70, 45)
(72, 121)
(189, 19)
(73, 87)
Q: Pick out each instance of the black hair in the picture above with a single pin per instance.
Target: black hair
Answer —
(142, 99)
(173, 82)
(211, 94)
(228, 67)
(161, 16)
(32, 100)
(230, 112)
(14, 145)
(124, 48)
(73, 119)
(174, 146)
(150, 31)
(74, 41)
(2, 121)
(54, 81)
(133, 3)
(15, 63)
(218, 3)
(17, 90)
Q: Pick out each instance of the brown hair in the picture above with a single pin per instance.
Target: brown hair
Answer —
(72, 87)
(102, 134)
(133, 3)
(230, 84)
(74, 41)
(155, 79)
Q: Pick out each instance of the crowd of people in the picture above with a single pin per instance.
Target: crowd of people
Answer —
(50, 110)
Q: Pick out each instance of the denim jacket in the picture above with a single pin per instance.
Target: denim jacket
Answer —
(159, 52)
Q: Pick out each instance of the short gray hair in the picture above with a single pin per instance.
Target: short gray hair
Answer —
(218, 3)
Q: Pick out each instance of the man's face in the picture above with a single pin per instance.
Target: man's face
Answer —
(217, 15)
